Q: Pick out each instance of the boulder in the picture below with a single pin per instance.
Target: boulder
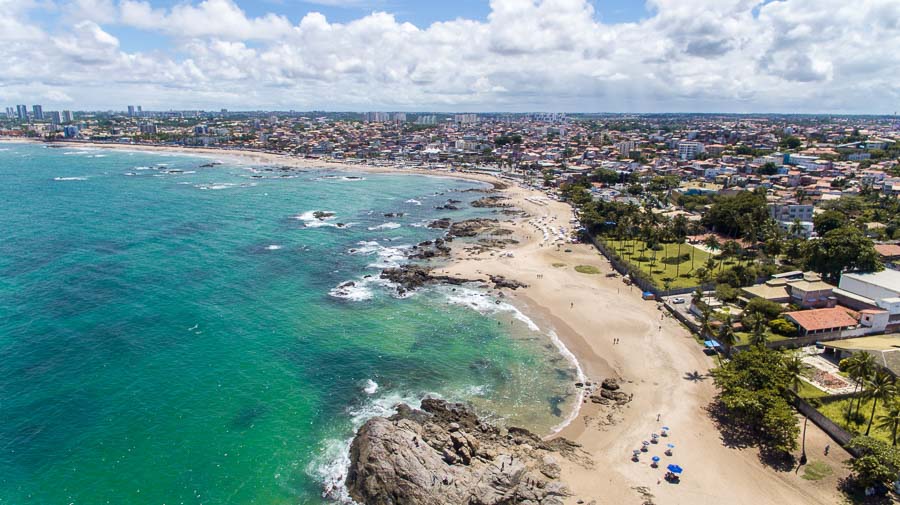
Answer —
(442, 453)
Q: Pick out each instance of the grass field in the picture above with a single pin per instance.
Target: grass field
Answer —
(837, 412)
(666, 265)
(587, 269)
(743, 337)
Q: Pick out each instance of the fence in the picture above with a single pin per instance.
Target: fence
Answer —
(838, 434)
(635, 274)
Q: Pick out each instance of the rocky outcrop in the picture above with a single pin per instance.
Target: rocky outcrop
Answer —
(471, 227)
(441, 224)
(411, 277)
(428, 250)
(610, 394)
(494, 202)
(444, 454)
(502, 282)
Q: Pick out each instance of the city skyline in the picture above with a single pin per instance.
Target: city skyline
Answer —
(740, 56)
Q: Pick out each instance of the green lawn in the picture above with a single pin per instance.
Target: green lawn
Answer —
(808, 391)
(837, 412)
(743, 337)
(666, 265)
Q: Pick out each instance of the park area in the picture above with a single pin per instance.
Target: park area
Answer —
(672, 266)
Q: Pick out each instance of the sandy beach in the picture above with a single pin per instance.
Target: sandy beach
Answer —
(656, 360)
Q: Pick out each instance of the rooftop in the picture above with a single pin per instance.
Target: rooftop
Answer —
(886, 278)
(823, 319)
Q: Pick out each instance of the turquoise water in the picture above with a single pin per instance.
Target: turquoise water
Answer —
(169, 332)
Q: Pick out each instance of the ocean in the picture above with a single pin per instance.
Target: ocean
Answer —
(172, 330)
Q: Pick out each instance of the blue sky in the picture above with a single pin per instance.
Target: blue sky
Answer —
(497, 55)
(421, 13)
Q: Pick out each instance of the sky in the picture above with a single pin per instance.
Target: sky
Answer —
(741, 56)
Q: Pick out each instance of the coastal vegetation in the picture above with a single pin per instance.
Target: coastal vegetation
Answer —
(755, 389)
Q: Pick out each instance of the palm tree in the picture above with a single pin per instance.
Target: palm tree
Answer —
(705, 322)
(758, 330)
(860, 367)
(726, 334)
(879, 387)
(794, 367)
(891, 420)
(711, 243)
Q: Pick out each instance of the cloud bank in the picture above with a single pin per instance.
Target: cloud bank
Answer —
(689, 55)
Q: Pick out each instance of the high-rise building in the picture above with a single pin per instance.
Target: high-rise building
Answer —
(67, 116)
(22, 112)
(10, 113)
(54, 116)
(131, 111)
(70, 131)
(140, 111)
(38, 112)
(148, 129)
(689, 150)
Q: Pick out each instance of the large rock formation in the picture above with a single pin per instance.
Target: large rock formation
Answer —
(412, 277)
(444, 454)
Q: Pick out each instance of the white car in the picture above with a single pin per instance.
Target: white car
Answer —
(677, 301)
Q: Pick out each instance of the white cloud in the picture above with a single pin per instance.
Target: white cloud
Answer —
(728, 55)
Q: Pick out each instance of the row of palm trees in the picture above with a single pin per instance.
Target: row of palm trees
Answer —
(644, 225)
(875, 384)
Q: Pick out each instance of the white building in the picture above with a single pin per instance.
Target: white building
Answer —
(876, 290)
(689, 150)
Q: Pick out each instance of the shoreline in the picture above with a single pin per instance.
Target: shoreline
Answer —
(654, 361)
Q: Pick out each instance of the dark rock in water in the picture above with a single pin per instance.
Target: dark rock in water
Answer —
(445, 454)
(447, 207)
(395, 214)
(442, 223)
(411, 277)
(502, 282)
(452, 201)
(322, 215)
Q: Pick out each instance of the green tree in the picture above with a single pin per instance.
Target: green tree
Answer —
(791, 142)
(829, 220)
(768, 168)
(890, 421)
(878, 463)
(726, 334)
(860, 366)
(754, 389)
(842, 249)
(795, 367)
(879, 387)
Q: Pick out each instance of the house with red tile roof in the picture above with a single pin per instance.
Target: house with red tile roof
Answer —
(829, 322)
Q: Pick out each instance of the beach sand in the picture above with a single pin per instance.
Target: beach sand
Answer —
(657, 360)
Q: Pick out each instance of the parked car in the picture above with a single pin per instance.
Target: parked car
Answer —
(678, 300)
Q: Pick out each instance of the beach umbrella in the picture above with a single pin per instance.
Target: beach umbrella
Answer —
(674, 469)
(670, 446)
(655, 459)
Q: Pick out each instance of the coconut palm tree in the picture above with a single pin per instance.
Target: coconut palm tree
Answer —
(879, 387)
(705, 322)
(794, 367)
(711, 243)
(757, 325)
(726, 334)
(891, 420)
(860, 367)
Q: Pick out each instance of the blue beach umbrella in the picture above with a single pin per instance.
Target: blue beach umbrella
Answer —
(655, 459)
(670, 446)
(674, 469)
